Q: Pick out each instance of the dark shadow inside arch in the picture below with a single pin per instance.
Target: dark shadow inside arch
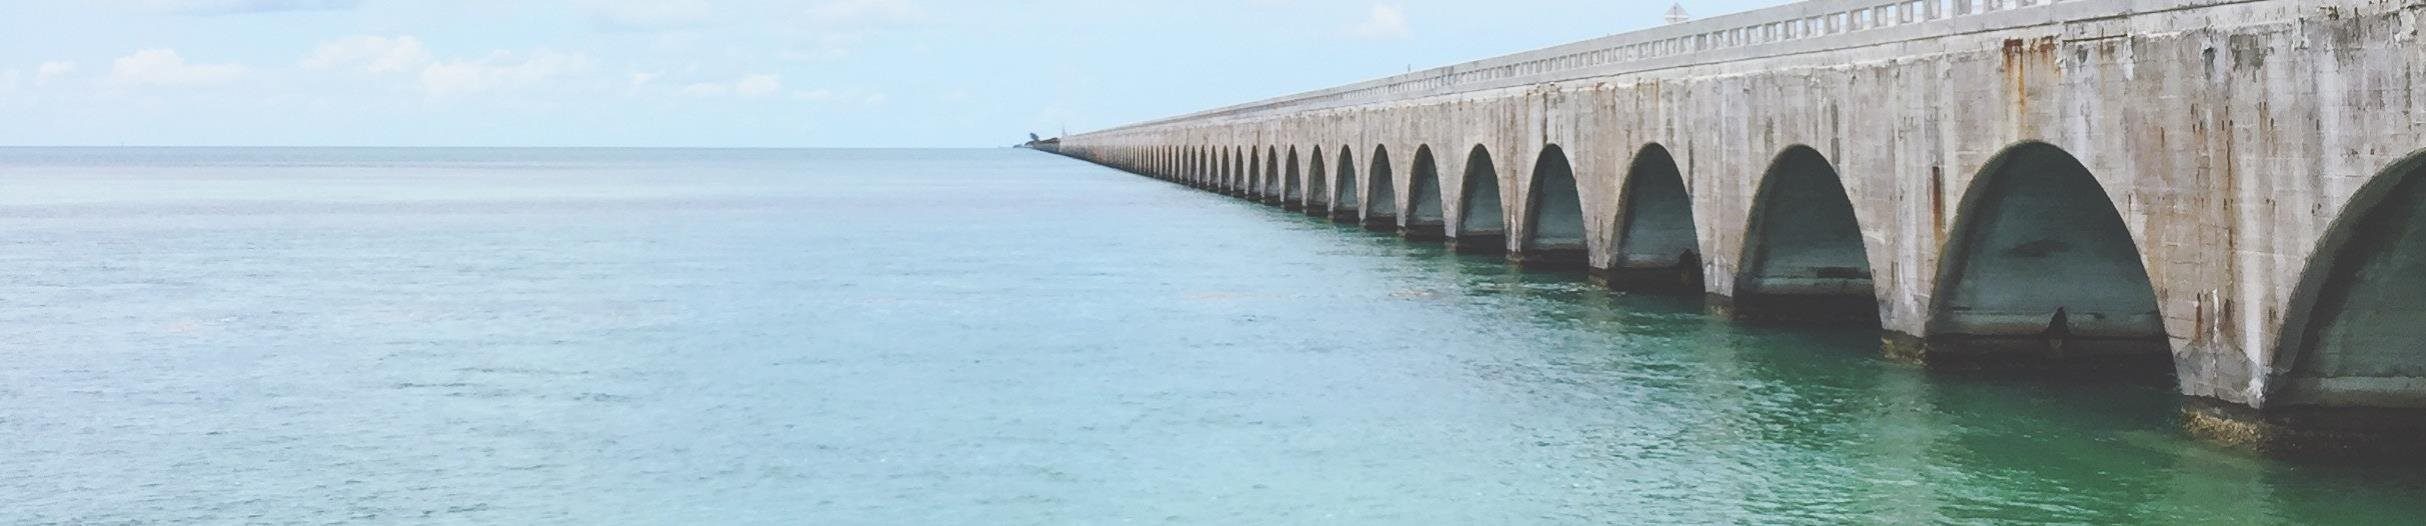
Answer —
(1554, 217)
(1292, 183)
(1381, 202)
(1318, 184)
(1423, 217)
(1270, 191)
(1658, 247)
(1482, 225)
(1804, 260)
(2041, 273)
(2356, 337)
(1343, 187)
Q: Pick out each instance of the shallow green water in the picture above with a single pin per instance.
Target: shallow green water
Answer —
(956, 337)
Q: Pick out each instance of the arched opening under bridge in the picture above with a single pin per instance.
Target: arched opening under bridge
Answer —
(1482, 223)
(1381, 202)
(1343, 187)
(1658, 246)
(1318, 184)
(2040, 272)
(1804, 259)
(1554, 215)
(2351, 363)
(1424, 220)
(1292, 183)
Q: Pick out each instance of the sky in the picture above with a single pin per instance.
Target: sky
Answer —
(715, 73)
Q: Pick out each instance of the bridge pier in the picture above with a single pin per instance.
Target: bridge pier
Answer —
(1424, 232)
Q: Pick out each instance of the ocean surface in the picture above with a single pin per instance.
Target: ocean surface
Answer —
(882, 337)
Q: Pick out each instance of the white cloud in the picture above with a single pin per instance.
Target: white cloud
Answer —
(643, 79)
(374, 54)
(863, 12)
(501, 70)
(1386, 22)
(164, 67)
(231, 7)
(647, 15)
(753, 86)
(53, 70)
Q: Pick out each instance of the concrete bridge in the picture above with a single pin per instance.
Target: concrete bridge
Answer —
(2224, 190)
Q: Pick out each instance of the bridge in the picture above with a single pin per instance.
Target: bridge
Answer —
(2222, 191)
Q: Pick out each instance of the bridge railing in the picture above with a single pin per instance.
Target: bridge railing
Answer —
(1728, 37)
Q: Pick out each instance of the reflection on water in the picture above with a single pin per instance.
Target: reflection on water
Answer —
(621, 336)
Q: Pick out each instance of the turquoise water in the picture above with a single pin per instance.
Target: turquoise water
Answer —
(955, 337)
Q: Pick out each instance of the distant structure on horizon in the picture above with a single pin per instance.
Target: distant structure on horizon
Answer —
(1677, 15)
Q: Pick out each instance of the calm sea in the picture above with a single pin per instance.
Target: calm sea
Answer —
(202, 336)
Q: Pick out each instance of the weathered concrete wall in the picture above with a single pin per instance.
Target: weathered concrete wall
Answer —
(2228, 137)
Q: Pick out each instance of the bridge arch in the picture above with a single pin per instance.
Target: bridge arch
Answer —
(1482, 220)
(1270, 191)
(1423, 213)
(1343, 186)
(2040, 271)
(1658, 245)
(1318, 183)
(2350, 338)
(1381, 199)
(1554, 214)
(1292, 182)
(1803, 257)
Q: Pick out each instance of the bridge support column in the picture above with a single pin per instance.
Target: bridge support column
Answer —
(1345, 217)
(1381, 224)
(1424, 232)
